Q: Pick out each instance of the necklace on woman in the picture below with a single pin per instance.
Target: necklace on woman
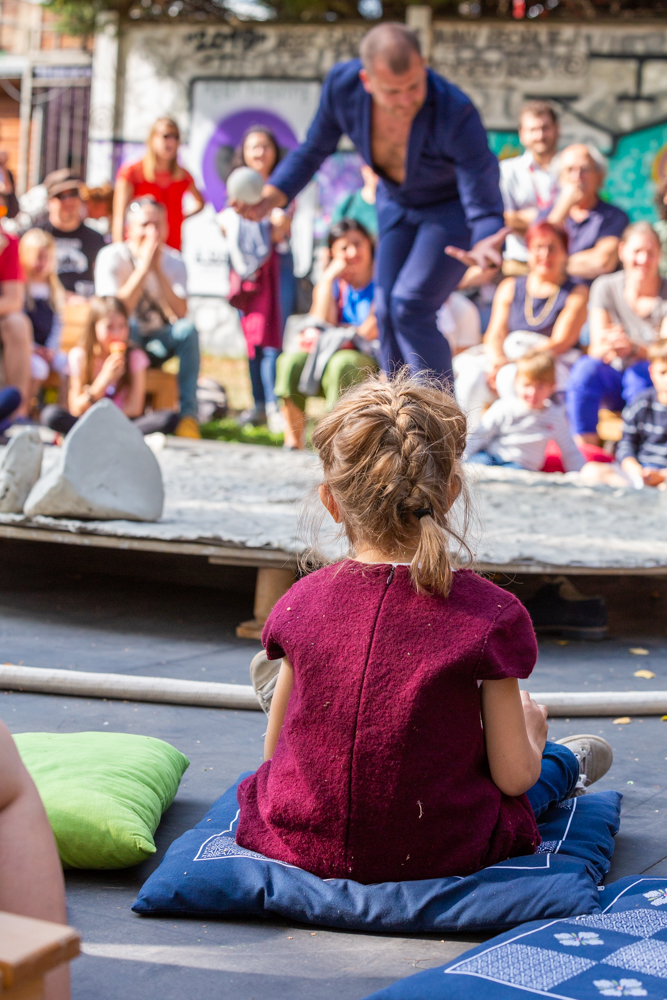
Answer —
(529, 312)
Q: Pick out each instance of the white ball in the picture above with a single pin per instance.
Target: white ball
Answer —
(245, 184)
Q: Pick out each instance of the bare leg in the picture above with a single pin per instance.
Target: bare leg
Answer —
(16, 336)
(295, 425)
(31, 878)
(606, 473)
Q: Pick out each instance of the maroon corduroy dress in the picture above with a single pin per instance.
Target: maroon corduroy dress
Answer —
(380, 772)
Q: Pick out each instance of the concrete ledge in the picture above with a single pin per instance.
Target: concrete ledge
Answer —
(599, 703)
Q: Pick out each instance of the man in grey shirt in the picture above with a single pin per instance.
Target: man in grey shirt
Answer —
(528, 183)
(149, 277)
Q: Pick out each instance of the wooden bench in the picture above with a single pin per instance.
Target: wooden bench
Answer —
(28, 950)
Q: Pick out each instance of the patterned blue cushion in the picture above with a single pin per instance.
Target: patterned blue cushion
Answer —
(205, 873)
(619, 952)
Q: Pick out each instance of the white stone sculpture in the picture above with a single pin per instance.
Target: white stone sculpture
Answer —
(20, 467)
(105, 472)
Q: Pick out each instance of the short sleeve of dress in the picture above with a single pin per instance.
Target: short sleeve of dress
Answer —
(276, 630)
(138, 360)
(10, 266)
(131, 172)
(511, 648)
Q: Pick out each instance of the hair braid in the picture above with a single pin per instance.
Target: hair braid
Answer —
(390, 449)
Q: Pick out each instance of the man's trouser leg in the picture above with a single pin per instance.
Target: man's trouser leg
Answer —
(414, 276)
(180, 339)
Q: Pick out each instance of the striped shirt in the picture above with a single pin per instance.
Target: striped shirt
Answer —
(645, 431)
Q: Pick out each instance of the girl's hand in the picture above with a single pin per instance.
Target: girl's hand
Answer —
(112, 369)
(335, 268)
(494, 364)
(536, 721)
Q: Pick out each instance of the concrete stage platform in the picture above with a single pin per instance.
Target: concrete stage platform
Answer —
(51, 619)
(233, 504)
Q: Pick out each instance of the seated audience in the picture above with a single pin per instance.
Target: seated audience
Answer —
(77, 245)
(515, 430)
(642, 451)
(32, 883)
(441, 766)
(160, 176)
(15, 335)
(360, 204)
(541, 311)
(44, 300)
(149, 277)
(627, 312)
(337, 341)
(593, 227)
(529, 182)
(106, 365)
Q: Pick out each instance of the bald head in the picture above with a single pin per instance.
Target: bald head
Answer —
(392, 44)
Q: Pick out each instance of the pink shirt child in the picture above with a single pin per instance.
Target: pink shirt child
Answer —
(380, 772)
(137, 362)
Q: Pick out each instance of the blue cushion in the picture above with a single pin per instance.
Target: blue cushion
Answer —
(205, 873)
(619, 952)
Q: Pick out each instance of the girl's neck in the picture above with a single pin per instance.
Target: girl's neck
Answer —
(162, 165)
(360, 281)
(369, 554)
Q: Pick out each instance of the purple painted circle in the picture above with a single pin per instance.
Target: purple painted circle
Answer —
(229, 133)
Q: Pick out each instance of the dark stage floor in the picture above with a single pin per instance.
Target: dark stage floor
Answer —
(132, 626)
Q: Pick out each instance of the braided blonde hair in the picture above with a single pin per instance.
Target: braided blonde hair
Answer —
(390, 449)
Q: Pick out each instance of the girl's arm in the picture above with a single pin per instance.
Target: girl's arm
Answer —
(122, 196)
(324, 307)
(281, 694)
(515, 732)
(569, 322)
(136, 397)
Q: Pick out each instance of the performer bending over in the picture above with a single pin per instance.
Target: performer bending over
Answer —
(438, 191)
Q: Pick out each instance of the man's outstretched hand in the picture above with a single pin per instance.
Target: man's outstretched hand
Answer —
(485, 253)
(272, 197)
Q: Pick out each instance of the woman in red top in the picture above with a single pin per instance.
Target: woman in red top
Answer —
(160, 175)
(399, 746)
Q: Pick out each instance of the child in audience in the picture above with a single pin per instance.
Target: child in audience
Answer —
(105, 365)
(515, 431)
(642, 451)
(44, 301)
(377, 767)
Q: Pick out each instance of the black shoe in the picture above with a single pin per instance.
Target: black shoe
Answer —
(559, 607)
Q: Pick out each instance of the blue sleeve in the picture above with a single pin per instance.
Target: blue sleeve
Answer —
(298, 168)
(477, 175)
(614, 223)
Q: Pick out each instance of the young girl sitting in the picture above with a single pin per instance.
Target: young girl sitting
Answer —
(106, 365)
(399, 745)
(44, 301)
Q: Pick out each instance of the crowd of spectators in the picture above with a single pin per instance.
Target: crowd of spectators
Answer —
(564, 329)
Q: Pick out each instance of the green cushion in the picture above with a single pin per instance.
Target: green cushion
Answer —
(104, 793)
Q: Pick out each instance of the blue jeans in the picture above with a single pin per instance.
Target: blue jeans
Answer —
(483, 458)
(287, 286)
(182, 340)
(263, 375)
(593, 384)
(413, 277)
(560, 773)
(10, 400)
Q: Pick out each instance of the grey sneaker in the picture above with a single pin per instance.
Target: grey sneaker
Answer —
(263, 677)
(595, 757)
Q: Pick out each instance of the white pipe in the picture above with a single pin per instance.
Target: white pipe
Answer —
(595, 703)
(172, 691)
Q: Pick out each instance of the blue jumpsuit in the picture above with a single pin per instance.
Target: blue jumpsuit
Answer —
(450, 196)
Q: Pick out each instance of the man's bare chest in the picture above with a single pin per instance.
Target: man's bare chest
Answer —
(389, 144)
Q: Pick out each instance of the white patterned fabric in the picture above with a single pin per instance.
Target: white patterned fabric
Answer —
(523, 965)
(647, 956)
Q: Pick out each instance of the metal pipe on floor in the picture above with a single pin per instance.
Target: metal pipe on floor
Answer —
(600, 703)
(168, 690)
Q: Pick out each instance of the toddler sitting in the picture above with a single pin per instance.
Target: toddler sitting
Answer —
(642, 451)
(515, 430)
(399, 745)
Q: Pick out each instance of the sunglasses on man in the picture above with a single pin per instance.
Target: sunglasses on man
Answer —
(64, 195)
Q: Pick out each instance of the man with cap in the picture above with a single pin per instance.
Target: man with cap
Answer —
(77, 245)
